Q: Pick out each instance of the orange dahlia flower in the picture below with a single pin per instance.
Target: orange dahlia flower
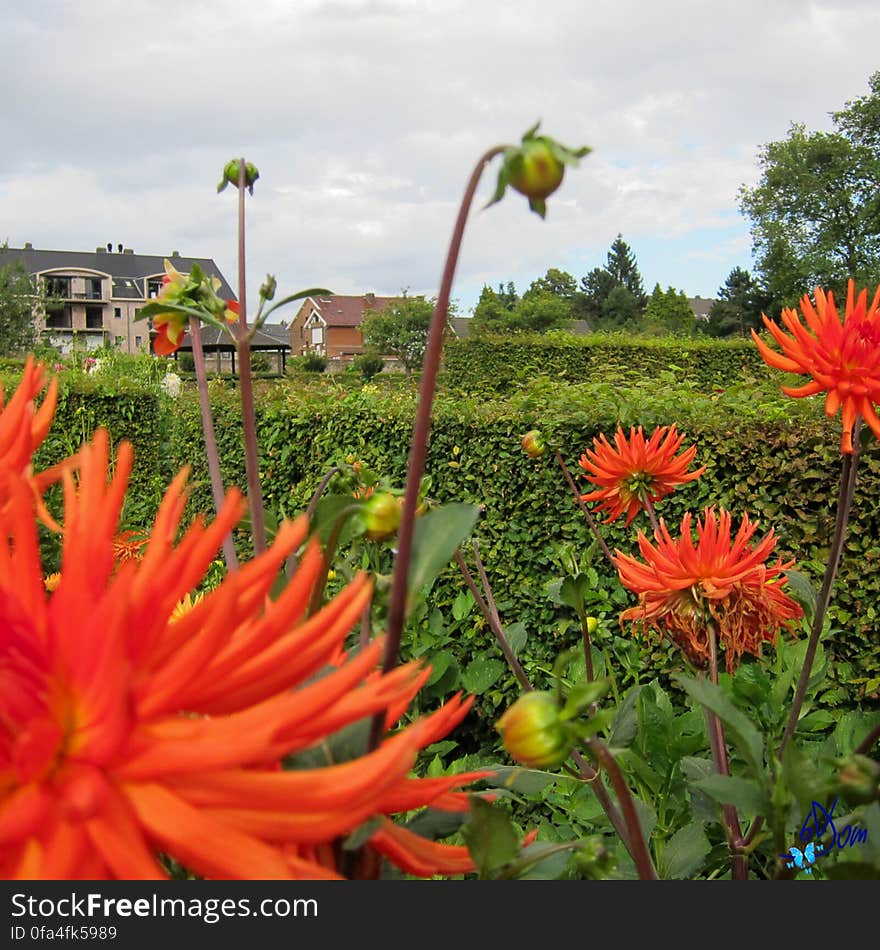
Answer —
(842, 357)
(633, 473)
(23, 428)
(126, 733)
(684, 587)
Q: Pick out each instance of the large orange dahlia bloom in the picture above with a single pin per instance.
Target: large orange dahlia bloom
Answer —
(634, 472)
(684, 587)
(126, 733)
(23, 428)
(843, 358)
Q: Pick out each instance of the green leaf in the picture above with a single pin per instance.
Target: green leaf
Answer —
(580, 697)
(685, 852)
(490, 837)
(802, 590)
(463, 604)
(516, 636)
(743, 793)
(440, 663)
(626, 722)
(362, 834)
(739, 728)
(436, 537)
(694, 770)
(482, 673)
(522, 781)
(434, 824)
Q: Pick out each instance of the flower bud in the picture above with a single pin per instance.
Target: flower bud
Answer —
(231, 171)
(381, 516)
(533, 444)
(268, 287)
(533, 733)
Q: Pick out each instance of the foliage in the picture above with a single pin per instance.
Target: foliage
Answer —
(613, 296)
(815, 211)
(500, 364)
(400, 329)
(20, 300)
(738, 307)
(668, 311)
(368, 364)
(310, 362)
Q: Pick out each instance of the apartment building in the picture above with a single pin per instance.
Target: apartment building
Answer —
(98, 295)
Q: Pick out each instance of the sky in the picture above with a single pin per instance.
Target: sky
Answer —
(366, 117)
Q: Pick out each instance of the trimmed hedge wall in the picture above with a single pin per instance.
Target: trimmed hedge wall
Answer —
(774, 457)
(499, 363)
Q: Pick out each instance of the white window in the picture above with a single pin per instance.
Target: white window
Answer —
(317, 336)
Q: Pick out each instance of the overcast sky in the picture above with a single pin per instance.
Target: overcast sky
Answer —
(365, 118)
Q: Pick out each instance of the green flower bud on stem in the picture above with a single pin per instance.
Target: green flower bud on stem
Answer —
(533, 733)
(858, 779)
(533, 444)
(381, 516)
(231, 171)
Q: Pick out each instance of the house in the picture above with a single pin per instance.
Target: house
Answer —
(331, 325)
(701, 306)
(100, 293)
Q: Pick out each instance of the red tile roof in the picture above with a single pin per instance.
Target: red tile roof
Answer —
(340, 311)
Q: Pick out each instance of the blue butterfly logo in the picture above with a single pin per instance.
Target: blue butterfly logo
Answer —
(803, 860)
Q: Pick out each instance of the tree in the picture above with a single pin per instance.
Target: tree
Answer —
(19, 301)
(556, 282)
(400, 329)
(815, 211)
(598, 303)
(668, 311)
(624, 271)
(739, 306)
(491, 314)
(540, 311)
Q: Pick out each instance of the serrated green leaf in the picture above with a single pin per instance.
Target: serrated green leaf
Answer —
(626, 722)
(490, 837)
(481, 674)
(685, 852)
(739, 728)
(742, 793)
(436, 537)
(516, 636)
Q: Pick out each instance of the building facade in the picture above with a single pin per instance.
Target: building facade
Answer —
(97, 296)
(331, 325)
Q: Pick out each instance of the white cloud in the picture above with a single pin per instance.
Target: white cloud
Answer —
(365, 119)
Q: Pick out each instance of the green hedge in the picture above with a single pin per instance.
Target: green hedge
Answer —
(774, 457)
(501, 363)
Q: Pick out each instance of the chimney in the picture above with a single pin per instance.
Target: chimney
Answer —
(100, 250)
(175, 253)
(127, 250)
(371, 299)
(28, 246)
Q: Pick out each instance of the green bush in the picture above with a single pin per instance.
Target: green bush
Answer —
(504, 363)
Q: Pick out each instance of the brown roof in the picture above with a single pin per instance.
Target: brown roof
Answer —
(340, 311)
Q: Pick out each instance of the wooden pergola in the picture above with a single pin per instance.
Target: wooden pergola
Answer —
(219, 343)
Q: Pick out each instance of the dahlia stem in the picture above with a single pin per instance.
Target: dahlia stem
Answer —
(588, 649)
(248, 415)
(844, 505)
(587, 772)
(213, 456)
(490, 613)
(639, 850)
(649, 507)
(421, 430)
(591, 521)
(739, 863)
(865, 746)
(290, 564)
